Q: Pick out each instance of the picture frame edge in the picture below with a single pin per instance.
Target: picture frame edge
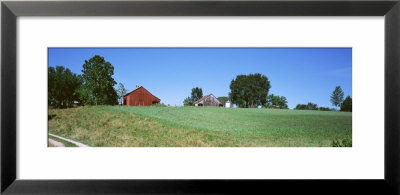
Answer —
(390, 8)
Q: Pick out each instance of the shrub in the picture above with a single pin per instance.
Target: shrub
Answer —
(309, 106)
(188, 101)
(324, 109)
(159, 105)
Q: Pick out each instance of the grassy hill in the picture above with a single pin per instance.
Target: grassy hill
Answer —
(199, 126)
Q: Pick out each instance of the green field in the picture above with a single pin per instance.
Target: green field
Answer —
(124, 126)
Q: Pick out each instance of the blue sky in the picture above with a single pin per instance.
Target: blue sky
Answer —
(300, 74)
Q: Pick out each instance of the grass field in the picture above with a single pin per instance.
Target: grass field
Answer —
(123, 126)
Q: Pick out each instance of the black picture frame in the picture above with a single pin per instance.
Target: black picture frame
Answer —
(10, 10)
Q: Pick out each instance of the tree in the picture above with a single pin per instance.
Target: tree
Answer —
(249, 90)
(97, 88)
(275, 100)
(337, 96)
(62, 87)
(347, 105)
(188, 101)
(312, 106)
(121, 91)
(196, 94)
(324, 109)
(223, 99)
(301, 107)
(308, 106)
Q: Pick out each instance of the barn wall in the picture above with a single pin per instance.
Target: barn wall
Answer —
(140, 97)
(211, 101)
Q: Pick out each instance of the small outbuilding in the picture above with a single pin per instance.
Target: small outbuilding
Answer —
(140, 97)
(208, 100)
(228, 104)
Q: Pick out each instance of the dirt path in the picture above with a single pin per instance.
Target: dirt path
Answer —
(69, 140)
(56, 143)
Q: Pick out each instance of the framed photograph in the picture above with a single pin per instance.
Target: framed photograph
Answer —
(196, 112)
(221, 97)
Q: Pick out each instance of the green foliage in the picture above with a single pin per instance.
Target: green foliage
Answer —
(159, 105)
(188, 101)
(324, 109)
(301, 107)
(86, 96)
(347, 105)
(223, 99)
(275, 100)
(97, 88)
(337, 96)
(63, 87)
(309, 106)
(196, 94)
(346, 142)
(121, 91)
(249, 90)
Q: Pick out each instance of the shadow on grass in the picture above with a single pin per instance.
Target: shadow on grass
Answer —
(51, 116)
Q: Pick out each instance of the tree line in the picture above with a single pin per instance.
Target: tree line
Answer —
(95, 86)
(250, 91)
(336, 100)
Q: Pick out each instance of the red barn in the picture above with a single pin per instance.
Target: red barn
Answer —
(140, 97)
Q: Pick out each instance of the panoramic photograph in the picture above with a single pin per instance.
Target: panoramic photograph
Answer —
(199, 97)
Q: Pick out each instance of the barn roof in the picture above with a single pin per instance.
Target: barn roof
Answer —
(204, 97)
(144, 89)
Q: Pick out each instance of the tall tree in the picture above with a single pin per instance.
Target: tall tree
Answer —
(249, 90)
(337, 96)
(121, 91)
(347, 105)
(62, 87)
(275, 100)
(196, 94)
(98, 82)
